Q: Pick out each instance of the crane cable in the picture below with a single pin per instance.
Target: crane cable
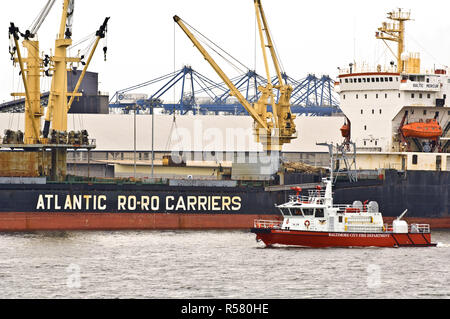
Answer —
(214, 47)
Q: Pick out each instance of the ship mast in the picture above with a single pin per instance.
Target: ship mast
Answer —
(395, 32)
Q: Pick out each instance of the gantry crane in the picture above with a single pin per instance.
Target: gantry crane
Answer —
(272, 129)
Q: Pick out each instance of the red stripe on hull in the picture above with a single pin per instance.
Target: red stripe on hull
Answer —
(124, 221)
(322, 239)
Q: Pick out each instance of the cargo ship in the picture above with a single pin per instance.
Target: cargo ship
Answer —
(404, 171)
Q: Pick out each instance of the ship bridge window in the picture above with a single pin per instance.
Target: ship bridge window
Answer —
(414, 159)
(381, 79)
(373, 79)
(308, 211)
(390, 79)
(297, 212)
(378, 79)
(319, 213)
(285, 211)
(359, 80)
(417, 78)
(346, 80)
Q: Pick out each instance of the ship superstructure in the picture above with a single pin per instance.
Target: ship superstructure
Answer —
(398, 116)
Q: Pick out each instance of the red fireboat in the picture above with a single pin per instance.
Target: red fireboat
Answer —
(314, 221)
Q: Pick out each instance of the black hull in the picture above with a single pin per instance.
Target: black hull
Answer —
(424, 194)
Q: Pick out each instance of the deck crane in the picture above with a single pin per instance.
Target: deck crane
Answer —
(32, 65)
(30, 75)
(57, 65)
(58, 106)
(272, 129)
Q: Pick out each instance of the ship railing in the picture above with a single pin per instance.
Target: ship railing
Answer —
(267, 224)
(307, 199)
(298, 198)
(342, 208)
(413, 228)
(419, 228)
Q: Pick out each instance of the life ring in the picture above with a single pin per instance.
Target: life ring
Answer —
(307, 223)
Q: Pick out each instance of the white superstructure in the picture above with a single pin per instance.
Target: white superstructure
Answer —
(381, 104)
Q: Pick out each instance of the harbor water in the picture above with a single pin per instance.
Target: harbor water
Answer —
(212, 264)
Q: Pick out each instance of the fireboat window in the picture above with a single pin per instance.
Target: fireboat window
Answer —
(319, 212)
(286, 211)
(308, 211)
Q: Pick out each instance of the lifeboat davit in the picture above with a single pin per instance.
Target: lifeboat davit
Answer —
(429, 129)
(345, 130)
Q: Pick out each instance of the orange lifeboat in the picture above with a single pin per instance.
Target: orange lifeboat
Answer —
(429, 129)
(345, 130)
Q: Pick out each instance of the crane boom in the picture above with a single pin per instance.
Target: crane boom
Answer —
(234, 91)
(40, 19)
(272, 129)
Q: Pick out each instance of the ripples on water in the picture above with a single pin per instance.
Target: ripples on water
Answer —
(212, 264)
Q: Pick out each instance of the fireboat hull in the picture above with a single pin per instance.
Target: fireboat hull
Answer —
(335, 239)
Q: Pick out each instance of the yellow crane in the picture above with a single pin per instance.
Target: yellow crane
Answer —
(32, 66)
(395, 32)
(272, 129)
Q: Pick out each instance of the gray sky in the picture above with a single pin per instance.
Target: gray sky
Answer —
(311, 36)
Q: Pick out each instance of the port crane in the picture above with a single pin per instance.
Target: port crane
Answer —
(272, 129)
